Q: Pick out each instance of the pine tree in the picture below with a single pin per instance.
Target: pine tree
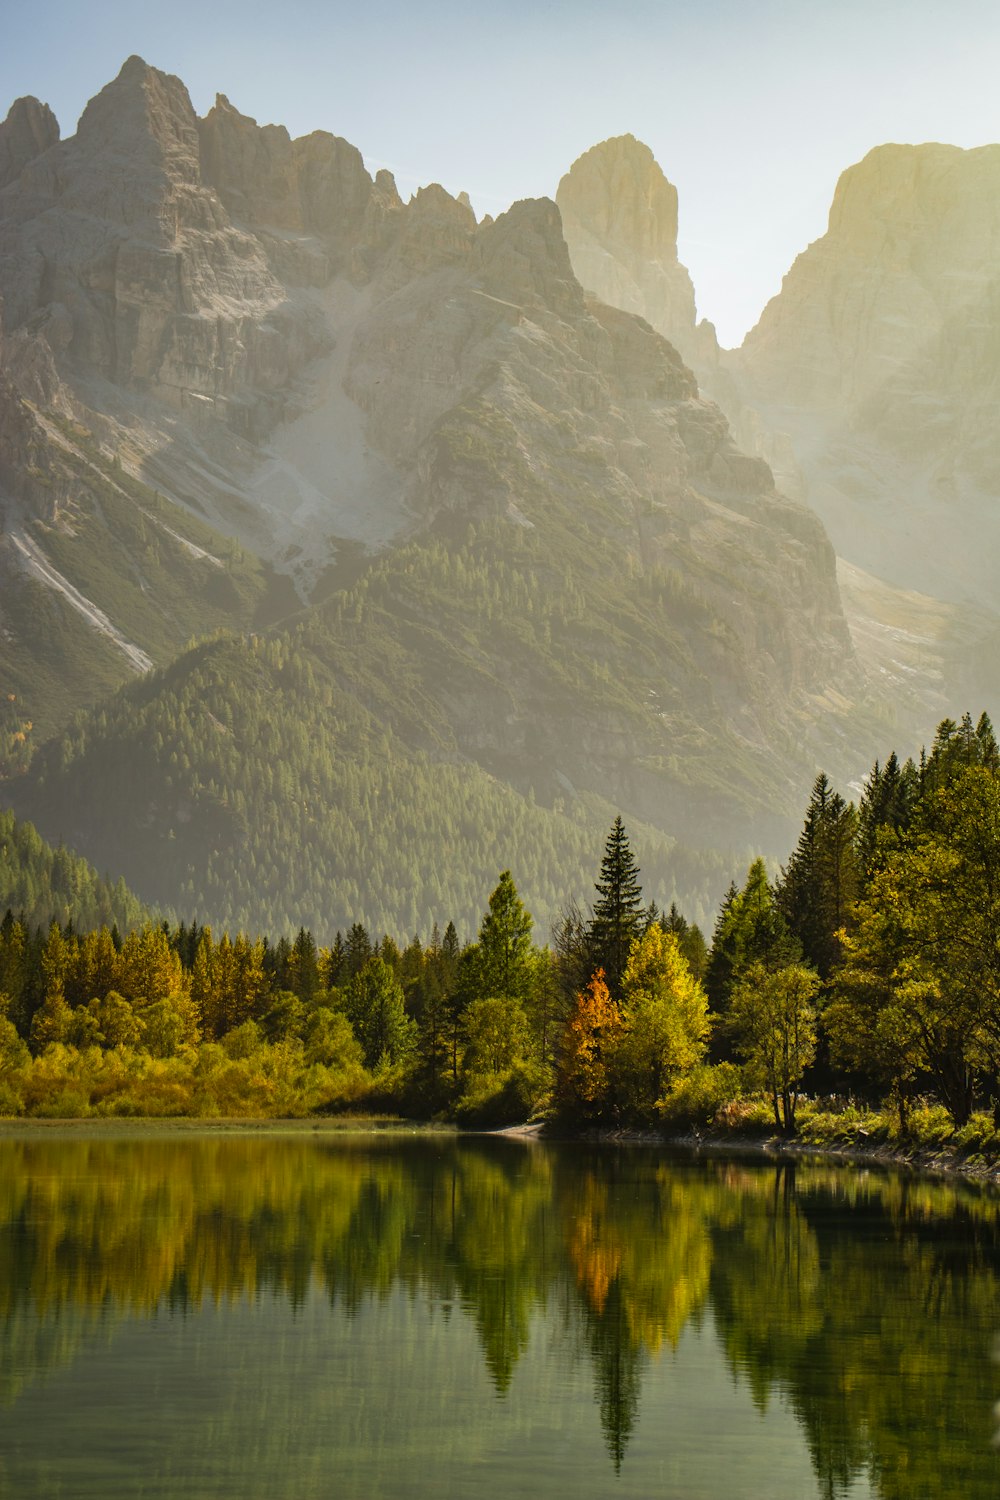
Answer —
(617, 917)
(505, 944)
(821, 881)
(303, 967)
(724, 955)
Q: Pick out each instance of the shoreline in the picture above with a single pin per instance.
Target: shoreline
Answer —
(939, 1161)
(934, 1161)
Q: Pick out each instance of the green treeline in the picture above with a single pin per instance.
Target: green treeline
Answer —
(44, 884)
(871, 967)
(170, 1019)
(473, 691)
(632, 1248)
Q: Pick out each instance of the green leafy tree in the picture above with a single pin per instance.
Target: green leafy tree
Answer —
(919, 989)
(665, 1023)
(496, 1035)
(773, 1016)
(170, 1025)
(374, 1005)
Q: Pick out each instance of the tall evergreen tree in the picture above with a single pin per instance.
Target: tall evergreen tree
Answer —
(690, 940)
(723, 954)
(885, 810)
(303, 967)
(750, 930)
(505, 944)
(821, 881)
(617, 918)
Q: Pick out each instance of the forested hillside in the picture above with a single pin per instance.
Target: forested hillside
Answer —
(44, 885)
(869, 966)
(251, 786)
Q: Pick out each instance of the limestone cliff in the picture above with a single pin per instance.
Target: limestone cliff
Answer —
(619, 216)
(29, 130)
(250, 328)
(880, 359)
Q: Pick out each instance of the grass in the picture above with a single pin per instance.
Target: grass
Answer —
(930, 1137)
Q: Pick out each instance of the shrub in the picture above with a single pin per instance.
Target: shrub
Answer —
(698, 1098)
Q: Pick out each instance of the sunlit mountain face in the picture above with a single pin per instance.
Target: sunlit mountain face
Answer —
(475, 514)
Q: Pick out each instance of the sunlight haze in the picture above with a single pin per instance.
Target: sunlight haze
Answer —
(752, 111)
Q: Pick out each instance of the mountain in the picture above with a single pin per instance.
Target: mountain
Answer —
(535, 573)
(880, 360)
(619, 216)
(868, 386)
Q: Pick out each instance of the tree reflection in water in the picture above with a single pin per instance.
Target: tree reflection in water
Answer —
(863, 1300)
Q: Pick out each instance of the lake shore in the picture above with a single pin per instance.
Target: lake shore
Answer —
(941, 1159)
(938, 1160)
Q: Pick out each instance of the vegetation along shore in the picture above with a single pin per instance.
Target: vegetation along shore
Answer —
(850, 1005)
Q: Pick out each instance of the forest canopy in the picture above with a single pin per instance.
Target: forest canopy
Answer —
(868, 967)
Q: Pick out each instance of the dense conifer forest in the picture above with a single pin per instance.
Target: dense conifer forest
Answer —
(868, 968)
(267, 780)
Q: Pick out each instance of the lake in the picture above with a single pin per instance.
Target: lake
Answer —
(306, 1314)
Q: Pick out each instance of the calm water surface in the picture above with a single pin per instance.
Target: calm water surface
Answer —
(298, 1316)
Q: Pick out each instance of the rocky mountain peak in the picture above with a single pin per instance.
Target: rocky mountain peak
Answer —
(912, 244)
(912, 193)
(146, 114)
(29, 129)
(620, 220)
(877, 367)
(314, 185)
(618, 190)
(524, 258)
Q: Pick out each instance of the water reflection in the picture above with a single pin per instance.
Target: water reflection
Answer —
(864, 1303)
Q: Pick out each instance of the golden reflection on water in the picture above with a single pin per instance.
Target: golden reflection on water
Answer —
(863, 1300)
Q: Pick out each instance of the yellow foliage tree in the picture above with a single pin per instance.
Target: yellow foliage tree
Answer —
(665, 1014)
(593, 1034)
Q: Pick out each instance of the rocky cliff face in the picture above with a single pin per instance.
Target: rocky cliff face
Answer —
(254, 329)
(620, 220)
(869, 385)
(29, 129)
(506, 392)
(113, 245)
(879, 360)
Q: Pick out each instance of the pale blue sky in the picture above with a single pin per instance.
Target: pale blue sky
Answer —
(752, 107)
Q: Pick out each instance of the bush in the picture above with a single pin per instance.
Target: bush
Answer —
(493, 1100)
(699, 1097)
(11, 1102)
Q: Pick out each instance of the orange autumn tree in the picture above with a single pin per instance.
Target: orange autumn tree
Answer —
(593, 1034)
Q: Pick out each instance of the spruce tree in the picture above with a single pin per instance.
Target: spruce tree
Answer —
(618, 913)
(505, 944)
(820, 883)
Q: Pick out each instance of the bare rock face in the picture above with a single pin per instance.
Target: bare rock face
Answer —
(879, 364)
(116, 232)
(620, 220)
(911, 249)
(504, 392)
(29, 130)
(316, 186)
(253, 327)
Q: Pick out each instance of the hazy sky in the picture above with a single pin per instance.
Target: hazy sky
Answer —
(752, 107)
